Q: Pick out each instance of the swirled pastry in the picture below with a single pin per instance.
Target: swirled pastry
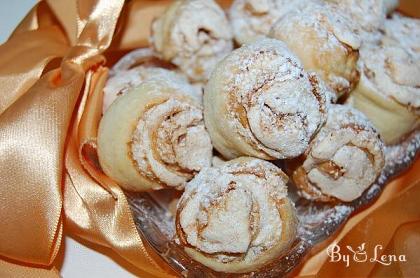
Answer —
(252, 19)
(141, 57)
(403, 31)
(325, 41)
(343, 160)
(194, 35)
(368, 15)
(123, 81)
(389, 90)
(135, 68)
(260, 102)
(154, 137)
(236, 217)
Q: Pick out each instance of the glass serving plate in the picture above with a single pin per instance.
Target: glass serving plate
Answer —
(153, 214)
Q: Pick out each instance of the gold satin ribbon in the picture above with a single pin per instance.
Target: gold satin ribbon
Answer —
(52, 74)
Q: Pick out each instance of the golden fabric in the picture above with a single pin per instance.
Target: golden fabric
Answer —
(52, 71)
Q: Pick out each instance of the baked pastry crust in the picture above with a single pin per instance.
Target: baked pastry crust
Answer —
(154, 137)
(260, 102)
(136, 67)
(123, 81)
(236, 217)
(194, 35)
(367, 15)
(141, 57)
(343, 160)
(326, 42)
(389, 90)
(403, 31)
(252, 19)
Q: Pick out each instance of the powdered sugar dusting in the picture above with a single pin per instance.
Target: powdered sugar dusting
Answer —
(329, 169)
(252, 19)
(392, 71)
(194, 35)
(131, 60)
(141, 65)
(404, 31)
(368, 15)
(321, 36)
(124, 80)
(284, 106)
(170, 143)
(323, 218)
(235, 206)
(317, 221)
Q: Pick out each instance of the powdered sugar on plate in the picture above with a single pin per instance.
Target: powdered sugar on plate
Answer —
(318, 222)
